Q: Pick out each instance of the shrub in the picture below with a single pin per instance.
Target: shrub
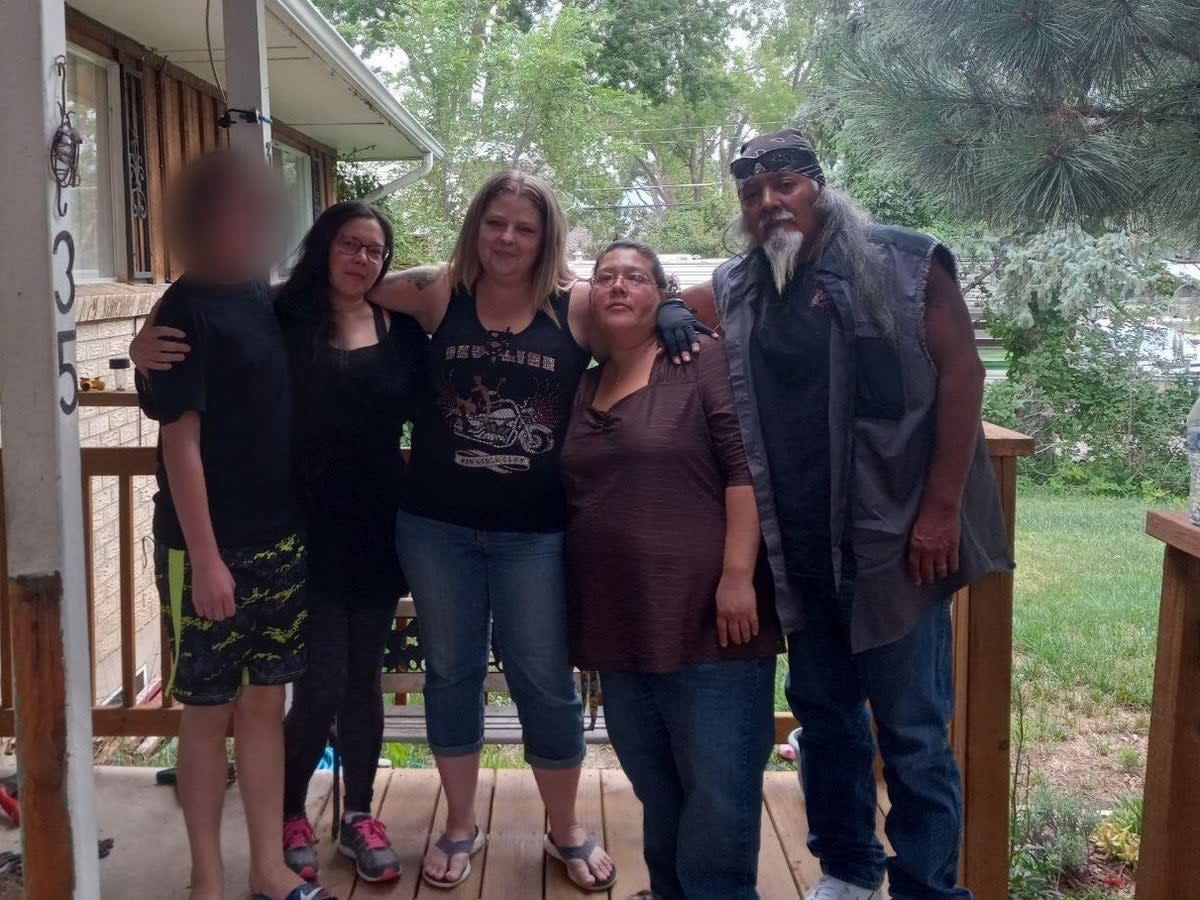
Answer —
(1049, 845)
(1074, 313)
(1119, 836)
(1117, 842)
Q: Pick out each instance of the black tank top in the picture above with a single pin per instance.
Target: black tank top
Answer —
(352, 407)
(485, 449)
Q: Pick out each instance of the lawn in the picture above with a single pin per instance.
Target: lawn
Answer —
(1084, 629)
(1086, 602)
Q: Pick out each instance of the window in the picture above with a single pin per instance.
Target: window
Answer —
(95, 209)
(296, 169)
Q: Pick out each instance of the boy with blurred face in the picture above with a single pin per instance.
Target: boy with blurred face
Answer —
(229, 562)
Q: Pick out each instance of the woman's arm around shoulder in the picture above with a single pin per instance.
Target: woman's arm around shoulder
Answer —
(422, 292)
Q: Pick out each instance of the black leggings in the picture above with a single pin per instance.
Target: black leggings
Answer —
(345, 655)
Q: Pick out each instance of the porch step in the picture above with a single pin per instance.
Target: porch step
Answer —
(406, 725)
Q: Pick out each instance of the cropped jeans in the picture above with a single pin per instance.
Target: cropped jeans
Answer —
(468, 584)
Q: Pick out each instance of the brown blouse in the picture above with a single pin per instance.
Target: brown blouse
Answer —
(645, 540)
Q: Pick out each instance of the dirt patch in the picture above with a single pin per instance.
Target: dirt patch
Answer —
(1100, 760)
(601, 756)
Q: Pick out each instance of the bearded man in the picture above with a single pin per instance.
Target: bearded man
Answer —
(853, 365)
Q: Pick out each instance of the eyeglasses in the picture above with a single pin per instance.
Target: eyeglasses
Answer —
(350, 246)
(608, 279)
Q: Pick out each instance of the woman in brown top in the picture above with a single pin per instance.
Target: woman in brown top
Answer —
(662, 554)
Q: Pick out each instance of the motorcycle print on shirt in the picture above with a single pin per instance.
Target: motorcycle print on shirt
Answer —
(506, 415)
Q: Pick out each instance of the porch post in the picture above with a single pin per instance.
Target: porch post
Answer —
(41, 468)
(246, 72)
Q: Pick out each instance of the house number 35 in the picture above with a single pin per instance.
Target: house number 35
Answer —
(68, 402)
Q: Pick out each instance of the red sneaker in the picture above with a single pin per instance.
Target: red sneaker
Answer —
(300, 847)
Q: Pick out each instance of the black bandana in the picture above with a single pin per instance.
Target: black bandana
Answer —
(786, 150)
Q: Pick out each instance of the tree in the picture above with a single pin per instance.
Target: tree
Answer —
(710, 74)
(500, 85)
(1076, 313)
(632, 108)
(1059, 284)
(1034, 112)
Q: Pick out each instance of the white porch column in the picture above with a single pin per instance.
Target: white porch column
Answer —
(246, 72)
(38, 405)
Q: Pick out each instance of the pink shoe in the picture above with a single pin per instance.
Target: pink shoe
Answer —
(300, 847)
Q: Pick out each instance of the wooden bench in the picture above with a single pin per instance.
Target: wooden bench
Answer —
(404, 722)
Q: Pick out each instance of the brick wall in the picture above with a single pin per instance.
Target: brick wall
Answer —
(108, 317)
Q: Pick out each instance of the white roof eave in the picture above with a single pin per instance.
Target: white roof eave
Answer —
(318, 85)
(322, 38)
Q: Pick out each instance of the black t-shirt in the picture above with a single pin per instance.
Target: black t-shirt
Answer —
(486, 448)
(351, 407)
(236, 377)
(789, 358)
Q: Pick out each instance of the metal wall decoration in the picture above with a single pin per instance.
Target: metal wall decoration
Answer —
(138, 220)
(64, 147)
(317, 184)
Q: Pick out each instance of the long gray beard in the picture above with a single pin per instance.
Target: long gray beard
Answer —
(782, 248)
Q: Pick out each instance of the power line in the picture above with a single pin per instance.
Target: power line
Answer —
(641, 206)
(722, 125)
(208, 40)
(648, 187)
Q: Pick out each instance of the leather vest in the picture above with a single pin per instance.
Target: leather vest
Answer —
(882, 410)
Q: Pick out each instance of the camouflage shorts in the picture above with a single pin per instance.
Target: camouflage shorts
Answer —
(262, 643)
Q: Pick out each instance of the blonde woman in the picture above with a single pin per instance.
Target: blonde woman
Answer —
(480, 527)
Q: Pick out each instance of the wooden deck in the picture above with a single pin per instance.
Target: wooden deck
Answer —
(150, 857)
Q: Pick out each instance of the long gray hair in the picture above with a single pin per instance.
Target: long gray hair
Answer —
(845, 232)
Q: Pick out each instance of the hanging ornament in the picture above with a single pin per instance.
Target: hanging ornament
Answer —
(64, 148)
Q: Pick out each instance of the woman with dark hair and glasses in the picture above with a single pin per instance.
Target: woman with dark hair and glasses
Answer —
(683, 632)
(357, 370)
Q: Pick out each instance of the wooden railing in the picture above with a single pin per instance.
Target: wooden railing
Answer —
(982, 662)
(1169, 866)
(160, 717)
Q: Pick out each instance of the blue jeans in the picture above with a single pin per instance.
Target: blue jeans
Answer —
(694, 744)
(908, 684)
(461, 580)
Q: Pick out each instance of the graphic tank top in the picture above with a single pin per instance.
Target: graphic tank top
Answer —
(486, 444)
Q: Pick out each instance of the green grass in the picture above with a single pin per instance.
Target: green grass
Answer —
(417, 756)
(1085, 608)
(1086, 599)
